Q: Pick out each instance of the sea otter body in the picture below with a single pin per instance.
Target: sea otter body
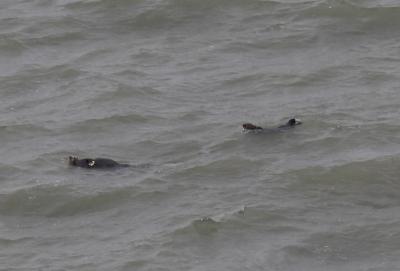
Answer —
(290, 124)
(251, 127)
(103, 163)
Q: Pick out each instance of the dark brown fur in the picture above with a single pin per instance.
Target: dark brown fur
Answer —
(250, 126)
(94, 163)
(291, 123)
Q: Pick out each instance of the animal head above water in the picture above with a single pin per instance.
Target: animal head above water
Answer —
(75, 161)
(293, 122)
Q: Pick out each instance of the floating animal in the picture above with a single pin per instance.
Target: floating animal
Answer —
(290, 124)
(102, 163)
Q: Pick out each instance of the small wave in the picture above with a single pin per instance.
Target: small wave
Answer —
(321, 77)
(106, 4)
(129, 73)
(224, 169)
(357, 11)
(28, 80)
(21, 131)
(349, 244)
(11, 45)
(266, 219)
(9, 242)
(105, 124)
(158, 15)
(60, 200)
(202, 5)
(205, 226)
(155, 18)
(37, 200)
(54, 39)
(92, 203)
(8, 171)
(135, 265)
(92, 55)
(370, 183)
(132, 15)
(124, 91)
(188, 5)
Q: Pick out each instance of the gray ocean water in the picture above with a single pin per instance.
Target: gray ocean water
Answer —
(165, 85)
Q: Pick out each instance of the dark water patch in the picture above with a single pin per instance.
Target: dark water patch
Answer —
(382, 60)
(53, 23)
(368, 183)
(292, 41)
(131, 75)
(205, 226)
(241, 80)
(7, 243)
(226, 145)
(200, 231)
(378, 77)
(126, 91)
(321, 77)
(271, 216)
(8, 172)
(165, 151)
(92, 203)
(194, 116)
(92, 55)
(160, 18)
(30, 80)
(64, 200)
(12, 45)
(54, 39)
(135, 265)
(106, 124)
(196, 133)
(150, 58)
(167, 15)
(103, 4)
(304, 85)
(219, 5)
(123, 16)
(22, 131)
(33, 201)
(220, 170)
(375, 16)
(209, 239)
(352, 244)
(9, 25)
(126, 16)
(47, 31)
(269, 219)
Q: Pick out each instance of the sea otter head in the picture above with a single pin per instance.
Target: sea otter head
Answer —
(75, 161)
(293, 122)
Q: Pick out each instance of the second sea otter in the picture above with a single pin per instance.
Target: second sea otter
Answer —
(102, 163)
(291, 123)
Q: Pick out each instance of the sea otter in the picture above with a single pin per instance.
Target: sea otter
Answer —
(94, 163)
(251, 127)
(291, 123)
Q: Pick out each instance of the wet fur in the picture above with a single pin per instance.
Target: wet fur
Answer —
(290, 124)
(96, 163)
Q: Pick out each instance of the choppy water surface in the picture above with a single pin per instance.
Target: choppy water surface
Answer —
(165, 86)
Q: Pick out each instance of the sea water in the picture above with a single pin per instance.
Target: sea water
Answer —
(165, 85)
